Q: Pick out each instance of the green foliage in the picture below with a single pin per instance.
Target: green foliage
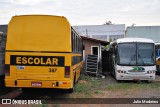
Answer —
(122, 86)
(89, 86)
(82, 87)
(98, 92)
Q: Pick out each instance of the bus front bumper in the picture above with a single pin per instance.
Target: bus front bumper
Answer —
(135, 77)
(39, 84)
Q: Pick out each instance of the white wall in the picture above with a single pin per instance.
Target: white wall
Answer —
(102, 32)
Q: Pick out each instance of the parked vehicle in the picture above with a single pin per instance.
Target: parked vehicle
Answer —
(133, 59)
(42, 51)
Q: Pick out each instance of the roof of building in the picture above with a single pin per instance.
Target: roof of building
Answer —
(112, 29)
(96, 40)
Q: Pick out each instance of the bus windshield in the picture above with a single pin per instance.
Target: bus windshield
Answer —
(136, 54)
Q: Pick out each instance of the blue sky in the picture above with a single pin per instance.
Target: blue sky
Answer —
(87, 12)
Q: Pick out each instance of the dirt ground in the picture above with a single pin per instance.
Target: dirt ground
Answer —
(93, 87)
(130, 93)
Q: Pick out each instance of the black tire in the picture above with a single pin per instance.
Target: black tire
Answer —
(70, 90)
(120, 81)
(74, 82)
(157, 72)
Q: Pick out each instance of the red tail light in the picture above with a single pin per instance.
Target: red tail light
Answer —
(7, 70)
(67, 71)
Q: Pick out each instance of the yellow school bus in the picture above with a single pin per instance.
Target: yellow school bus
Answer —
(42, 51)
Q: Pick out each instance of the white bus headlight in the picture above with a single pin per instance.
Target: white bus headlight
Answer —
(151, 72)
(121, 71)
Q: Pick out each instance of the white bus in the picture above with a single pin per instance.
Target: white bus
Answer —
(133, 59)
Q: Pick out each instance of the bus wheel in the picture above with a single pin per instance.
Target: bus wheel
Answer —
(120, 81)
(74, 82)
(113, 73)
(70, 90)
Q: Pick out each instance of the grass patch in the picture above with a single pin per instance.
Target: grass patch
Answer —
(121, 86)
(82, 87)
(98, 92)
(87, 78)
(88, 85)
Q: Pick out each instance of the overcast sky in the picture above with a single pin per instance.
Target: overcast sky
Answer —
(87, 12)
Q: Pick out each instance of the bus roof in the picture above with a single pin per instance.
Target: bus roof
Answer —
(39, 33)
(157, 43)
(143, 40)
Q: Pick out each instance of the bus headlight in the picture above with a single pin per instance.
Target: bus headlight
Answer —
(121, 71)
(151, 72)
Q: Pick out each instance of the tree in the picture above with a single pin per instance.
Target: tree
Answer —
(108, 23)
(133, 24)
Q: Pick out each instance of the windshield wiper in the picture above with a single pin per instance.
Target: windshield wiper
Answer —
(132, 58)
(139, 56)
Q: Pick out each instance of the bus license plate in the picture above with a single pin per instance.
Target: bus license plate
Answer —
(36, 84)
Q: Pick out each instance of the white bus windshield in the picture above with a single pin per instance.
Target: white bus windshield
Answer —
(136, 54)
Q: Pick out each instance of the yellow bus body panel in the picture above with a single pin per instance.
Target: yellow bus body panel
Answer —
(25, 77)
(38, 50)
(39, 33)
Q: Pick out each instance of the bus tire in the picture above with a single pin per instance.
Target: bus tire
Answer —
(74, 82)
(120, 81)
(158, 72)
(70, 90)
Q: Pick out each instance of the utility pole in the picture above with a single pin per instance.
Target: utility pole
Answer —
(87, 32)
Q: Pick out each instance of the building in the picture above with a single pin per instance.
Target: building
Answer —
(151, 32)
(94, 46)
(97, 36)
(102, 32)
(4, 28)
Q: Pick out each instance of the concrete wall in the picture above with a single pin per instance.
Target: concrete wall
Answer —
(152, 32)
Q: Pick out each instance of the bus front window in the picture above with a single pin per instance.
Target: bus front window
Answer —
(136, 54)
(127, 53)
(145, 54)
